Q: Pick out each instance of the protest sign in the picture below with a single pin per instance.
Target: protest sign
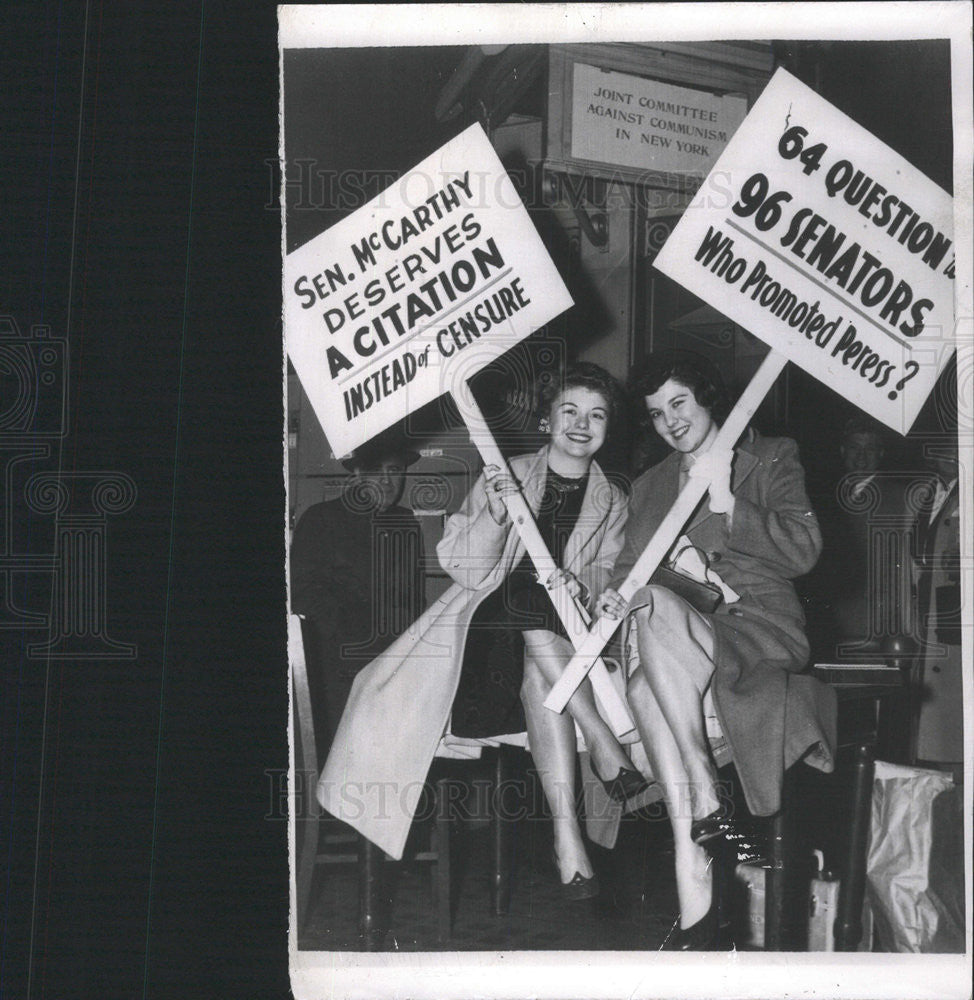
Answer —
(426, 284)
(803, 234)
(830, 247)
(413, 294)
(367, 108)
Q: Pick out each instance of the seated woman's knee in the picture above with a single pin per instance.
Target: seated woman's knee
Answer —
(667, 623)
(659, 604)
(532, 682)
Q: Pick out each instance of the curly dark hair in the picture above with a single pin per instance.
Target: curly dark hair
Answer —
(585, 375)
(694, 371)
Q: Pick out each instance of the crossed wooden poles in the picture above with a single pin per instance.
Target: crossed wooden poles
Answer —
(589, 640)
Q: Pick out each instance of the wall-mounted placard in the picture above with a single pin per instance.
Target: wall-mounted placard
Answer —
(630, 121)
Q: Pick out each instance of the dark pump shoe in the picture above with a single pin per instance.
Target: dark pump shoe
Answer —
(713, 931)
(714, 825)
(627, 784)
(726, 840)
(579, 888)
(707, 934)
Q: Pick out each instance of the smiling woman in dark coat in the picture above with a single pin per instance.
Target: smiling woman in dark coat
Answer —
(756, 533)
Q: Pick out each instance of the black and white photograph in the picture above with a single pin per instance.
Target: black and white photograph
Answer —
(486, 500)
(624, 444)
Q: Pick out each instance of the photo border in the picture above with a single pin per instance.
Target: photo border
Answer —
(637, 974)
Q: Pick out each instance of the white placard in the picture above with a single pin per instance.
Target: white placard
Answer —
(426, 284)
(633, 122)
(830, 247)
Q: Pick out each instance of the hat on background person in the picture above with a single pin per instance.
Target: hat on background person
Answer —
(860, 423)
(383, 447)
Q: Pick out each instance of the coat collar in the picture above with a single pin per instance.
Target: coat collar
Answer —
(533, 480)
(928, 529)
(745, 462)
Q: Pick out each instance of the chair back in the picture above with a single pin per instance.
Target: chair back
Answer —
(306, 754)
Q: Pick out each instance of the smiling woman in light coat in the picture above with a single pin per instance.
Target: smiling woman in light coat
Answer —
(400, 704)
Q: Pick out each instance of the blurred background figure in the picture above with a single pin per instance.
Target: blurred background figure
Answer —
(862, 449)
(938, 610)
(356, 575)
(857, 596)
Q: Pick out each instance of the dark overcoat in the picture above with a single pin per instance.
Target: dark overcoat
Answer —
(771, 713)
(940, 729)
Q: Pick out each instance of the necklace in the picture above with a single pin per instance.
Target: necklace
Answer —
(562, 484)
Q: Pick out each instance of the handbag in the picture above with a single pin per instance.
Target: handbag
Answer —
(705, 597)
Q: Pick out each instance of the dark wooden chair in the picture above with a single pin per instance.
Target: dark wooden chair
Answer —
(320, 840)
(874, 721)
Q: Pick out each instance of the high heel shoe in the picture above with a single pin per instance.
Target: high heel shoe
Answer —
(627, 784)
(712, 932)
(579, 887)
(710, 826)
(726, 840)
(707, 934)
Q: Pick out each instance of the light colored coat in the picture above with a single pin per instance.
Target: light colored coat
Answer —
(400, 703)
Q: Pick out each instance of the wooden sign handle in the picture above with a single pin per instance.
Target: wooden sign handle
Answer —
(666, 534)
(575, 620)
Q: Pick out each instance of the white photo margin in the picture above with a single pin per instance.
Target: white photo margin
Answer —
(637, 974)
